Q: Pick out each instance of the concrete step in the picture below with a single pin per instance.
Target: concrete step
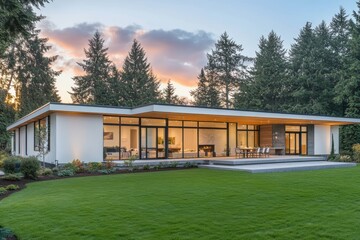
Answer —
(281, 167)
(250, 161)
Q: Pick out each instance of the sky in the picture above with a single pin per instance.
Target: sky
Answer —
(176, 35)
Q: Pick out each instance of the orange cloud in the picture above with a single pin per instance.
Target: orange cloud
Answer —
(175, 54)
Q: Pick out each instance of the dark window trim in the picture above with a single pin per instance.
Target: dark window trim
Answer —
(26, 148)
(19, 141)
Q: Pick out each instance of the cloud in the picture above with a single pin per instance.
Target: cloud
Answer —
(173, 54)
(74, 39)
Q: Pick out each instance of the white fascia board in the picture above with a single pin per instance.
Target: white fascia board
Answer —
(238, 113)
(53, 107)
(89, 109)
(30, 116)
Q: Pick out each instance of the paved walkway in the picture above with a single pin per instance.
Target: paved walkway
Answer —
(282, 167)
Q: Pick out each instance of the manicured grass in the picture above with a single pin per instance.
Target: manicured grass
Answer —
(190, 204)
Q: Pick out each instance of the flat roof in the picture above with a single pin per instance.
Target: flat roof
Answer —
(183, 112)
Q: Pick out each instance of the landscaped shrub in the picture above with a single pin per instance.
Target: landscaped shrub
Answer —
(107, 171)
(146, 167)
(3, 155)
(109, 164)
(6, 233)
(13, 177)
(190, 165)
(12, 164)
(2, 190)
(94, 166)
(55, 170)
(356, 152)
(29, 167)
(12, 187)
(174, 164)
(78, 166)
(66, 173)
(45, 172)
(342, 158)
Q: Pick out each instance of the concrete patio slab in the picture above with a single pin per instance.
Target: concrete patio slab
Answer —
(281, 167)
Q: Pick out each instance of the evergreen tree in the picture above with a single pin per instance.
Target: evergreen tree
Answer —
(206, 93)
(200, 93)
(169, 95)
(114, 86)
(227, 63)
(93, 87)
(266, 88)
(140, 86)
(35, 77)
(312, 80)
(17, 17)
(340, 31)
(350, 87)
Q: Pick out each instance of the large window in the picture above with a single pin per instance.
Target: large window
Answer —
(42, 134)
(190, 142)
(175, 141)
(111, 142)
(296, 140)
(248, 136)
(121, 137)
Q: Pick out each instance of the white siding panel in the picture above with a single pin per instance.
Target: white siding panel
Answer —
(322, 140)
(79, 137)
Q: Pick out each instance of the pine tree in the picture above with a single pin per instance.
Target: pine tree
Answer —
(93, 87)
(340, 32)
(312, 80)
(139, 83)
(169, 95)
(266, 88)
(17, 18)
(350, 90)
(206, 93)
(200, 93)
(227, 63)
(35, 78)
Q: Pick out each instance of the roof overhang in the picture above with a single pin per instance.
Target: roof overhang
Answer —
(176, 112)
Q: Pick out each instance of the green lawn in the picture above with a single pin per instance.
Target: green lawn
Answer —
(190, 204)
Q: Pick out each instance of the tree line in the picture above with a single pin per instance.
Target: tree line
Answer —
(319, 74)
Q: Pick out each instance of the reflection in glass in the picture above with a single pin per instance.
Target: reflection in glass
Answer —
(175, 143)
(111, 142)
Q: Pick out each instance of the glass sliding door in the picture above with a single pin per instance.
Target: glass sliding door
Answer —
(296, 140)
(152, 142)
(129, 142)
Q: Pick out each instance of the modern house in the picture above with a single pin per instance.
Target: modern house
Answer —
(96, 133)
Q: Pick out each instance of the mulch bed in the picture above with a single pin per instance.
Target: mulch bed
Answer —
(22, 183)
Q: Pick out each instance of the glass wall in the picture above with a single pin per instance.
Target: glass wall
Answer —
(111, 142)
(296, 140)
(248, 136)
(212, 142)
(190, 143)
(175, 141)
(129, 142)
(149, 138)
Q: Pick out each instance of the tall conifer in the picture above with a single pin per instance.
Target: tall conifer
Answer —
(140, 86)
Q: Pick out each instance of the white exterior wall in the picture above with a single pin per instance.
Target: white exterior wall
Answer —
(22, 141)
(322, 140)
(336, 134)
(30, 140)
(27, 141)
(80, 137)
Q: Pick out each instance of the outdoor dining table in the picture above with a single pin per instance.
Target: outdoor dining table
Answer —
(247, 151)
